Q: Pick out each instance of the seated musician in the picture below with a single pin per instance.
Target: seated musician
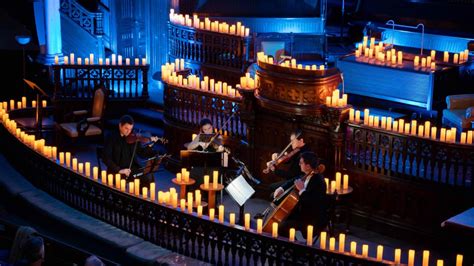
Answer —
(291, 160)
(311, 208)
(119, 151)
(206, 128)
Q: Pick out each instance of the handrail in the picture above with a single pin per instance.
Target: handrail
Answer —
(181, 232)
(393, 24)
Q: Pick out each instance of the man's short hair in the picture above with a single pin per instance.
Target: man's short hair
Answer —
(310, 158)
(297, 132)
(204, 122)
(126, 119)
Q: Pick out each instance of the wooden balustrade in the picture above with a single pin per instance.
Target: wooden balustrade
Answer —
(78, 81)
(209, 48)
(409, 157)
(170, 228)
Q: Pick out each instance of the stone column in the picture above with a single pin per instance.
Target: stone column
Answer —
(52, 31)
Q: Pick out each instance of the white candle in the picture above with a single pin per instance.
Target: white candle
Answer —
(398, 254)
(411, 257)
(342, 242)
(426, 258)
(379, 252)
(275, 230)
(247, 221)
(309, 235)
(232, 219)
(322, 242)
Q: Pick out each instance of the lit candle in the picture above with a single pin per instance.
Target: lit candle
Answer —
(398, 254)
(199, 211)
(376, 121)
(221, 214)
(384, 122)
(353, 248)
(259, 226)
(61, 158)
(442, 134)
(232, 219)
(74, 164)
(439, 263)
(247, 221)
(427, 129)
(178, 177)
(101, 61)
(420, 130)
(426, 257)
(309, 235)
(118, 178)
(332, 243)
(127, 61)
(433, 54)
(88, 169)
(446, 57)
(291, 236)
(365, 250)
(123, 185)
(45, 103)
(357, 116)
(469, 137)
(103, 178)
(338, 181)
(413, 127)
(80, 167)
(459, 259)
(144, 192)
(433, 132)
(23, 102)
(206, 181)
(411, 257)
(455, 59)
(137, 186)
(322, 242)
(215, 175)
(416, 61)
(389, 123)
(333, 186)
(275, 229)
(131, 187)
(342, 242)
(144, 61)
(463, 138)
(351, 114)
(379, 252)
(182, 206)
(110, 179)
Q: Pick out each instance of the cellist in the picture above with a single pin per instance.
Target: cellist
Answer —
(311, 208)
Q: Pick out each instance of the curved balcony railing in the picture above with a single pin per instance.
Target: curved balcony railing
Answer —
(185, 233)
(210, 48)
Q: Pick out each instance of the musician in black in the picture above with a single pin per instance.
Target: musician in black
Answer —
(311, 208)
(290, 160)
(118, 151)
(198, 143)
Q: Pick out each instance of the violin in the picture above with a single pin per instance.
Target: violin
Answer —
(282, 157)
(137, 137)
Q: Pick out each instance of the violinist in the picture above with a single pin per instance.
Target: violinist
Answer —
(311, 208)
(119, 150)
(291, 159)
(200, 143)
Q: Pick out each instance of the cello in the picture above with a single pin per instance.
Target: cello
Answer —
(282, 206)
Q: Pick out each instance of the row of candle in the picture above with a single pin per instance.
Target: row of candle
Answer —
(20, 104)
(113, 60)
(380, 251)
(215, 26)
(458, 58)
(335, 101)
(340, 182)
(171, 199)
(288, 63)
(178, 65)
(425, 130)
(195, 82)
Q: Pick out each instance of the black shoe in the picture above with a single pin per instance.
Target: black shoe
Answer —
(259, 216)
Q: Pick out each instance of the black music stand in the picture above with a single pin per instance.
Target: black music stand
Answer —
(151, 166)
(39, 115)
(240, 191)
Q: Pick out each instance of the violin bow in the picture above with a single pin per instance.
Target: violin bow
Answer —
(217, 134)
(134, 151)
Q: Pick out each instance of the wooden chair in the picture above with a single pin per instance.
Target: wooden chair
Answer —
(83, 123)
(459, 112)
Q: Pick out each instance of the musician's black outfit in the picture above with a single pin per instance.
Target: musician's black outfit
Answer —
(118, 154)
(293, 165)
(311, 208)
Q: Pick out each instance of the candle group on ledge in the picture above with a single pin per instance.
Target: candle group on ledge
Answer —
(113, 60)
(169, 75)
(236, 29)
(424, 130)
(335, 101)
(247, 82)
(458, 58)
(287, 63)
(340, 183)
(12, 105)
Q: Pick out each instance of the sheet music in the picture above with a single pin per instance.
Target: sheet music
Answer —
(240, 190)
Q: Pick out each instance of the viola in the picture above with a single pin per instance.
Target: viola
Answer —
(137, 137)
